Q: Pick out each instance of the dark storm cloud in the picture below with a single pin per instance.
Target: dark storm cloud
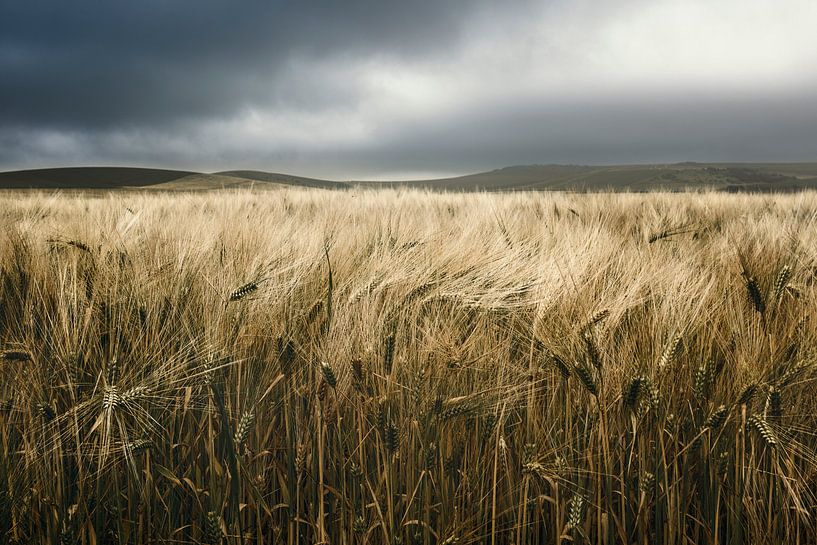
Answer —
(90, 64)
(376, 88)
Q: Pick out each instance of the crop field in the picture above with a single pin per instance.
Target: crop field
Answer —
(404, 367)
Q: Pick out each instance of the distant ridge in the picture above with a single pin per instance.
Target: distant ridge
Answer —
(88, 177)
(686, 176)
(286, 179)
(671, 177)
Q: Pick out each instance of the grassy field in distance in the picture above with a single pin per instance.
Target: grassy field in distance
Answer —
(408, 367)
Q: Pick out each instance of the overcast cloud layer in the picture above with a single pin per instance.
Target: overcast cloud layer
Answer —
(377, 89)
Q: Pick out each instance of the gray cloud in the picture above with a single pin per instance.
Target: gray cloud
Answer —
(95, 64)
(368, 88)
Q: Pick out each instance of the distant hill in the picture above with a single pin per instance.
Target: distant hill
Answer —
(671, 177)
(285, 179)
(88, 177)
(732, 177)
(202, 182)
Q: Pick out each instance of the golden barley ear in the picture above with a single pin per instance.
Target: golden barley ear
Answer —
(763, 429)
(781, 282)
(704, 379)
(596, 319)
(671, 351)
(329, 375)
(243, 291)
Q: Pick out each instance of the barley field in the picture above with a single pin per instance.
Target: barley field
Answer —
(401, 367)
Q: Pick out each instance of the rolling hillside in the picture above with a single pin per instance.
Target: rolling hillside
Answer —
(732, 177)
(88, 177)
(673, 177)
(285, 179)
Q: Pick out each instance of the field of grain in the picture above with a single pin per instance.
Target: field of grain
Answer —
(384, 367)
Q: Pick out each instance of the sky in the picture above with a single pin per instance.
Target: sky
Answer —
(377, 89)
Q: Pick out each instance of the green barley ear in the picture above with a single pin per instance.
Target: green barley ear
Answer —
(593, 353)
(647, 482)
(382, 418)
(488, 427)
(242, 430)
(774, 404)
(357, 370)
(112, 376)
(430, 458)
(717, 418)
(359, 525)
(437, 406)
(747, 394)
(704, 379)
(503, 451)
(329, 375)
(358, 375)
(212, 529)
(46, 412)
(534, 467)
(586, 378)
(392, 437)
(16, 355)
(781, 282)
(455, 411)
(632, 392)
(65, 536)
(138, 446)
(561, 366)
(243, 291)
(388, 355)
(753, 292)
(699, 382)
(653, 394)
(355, 470)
